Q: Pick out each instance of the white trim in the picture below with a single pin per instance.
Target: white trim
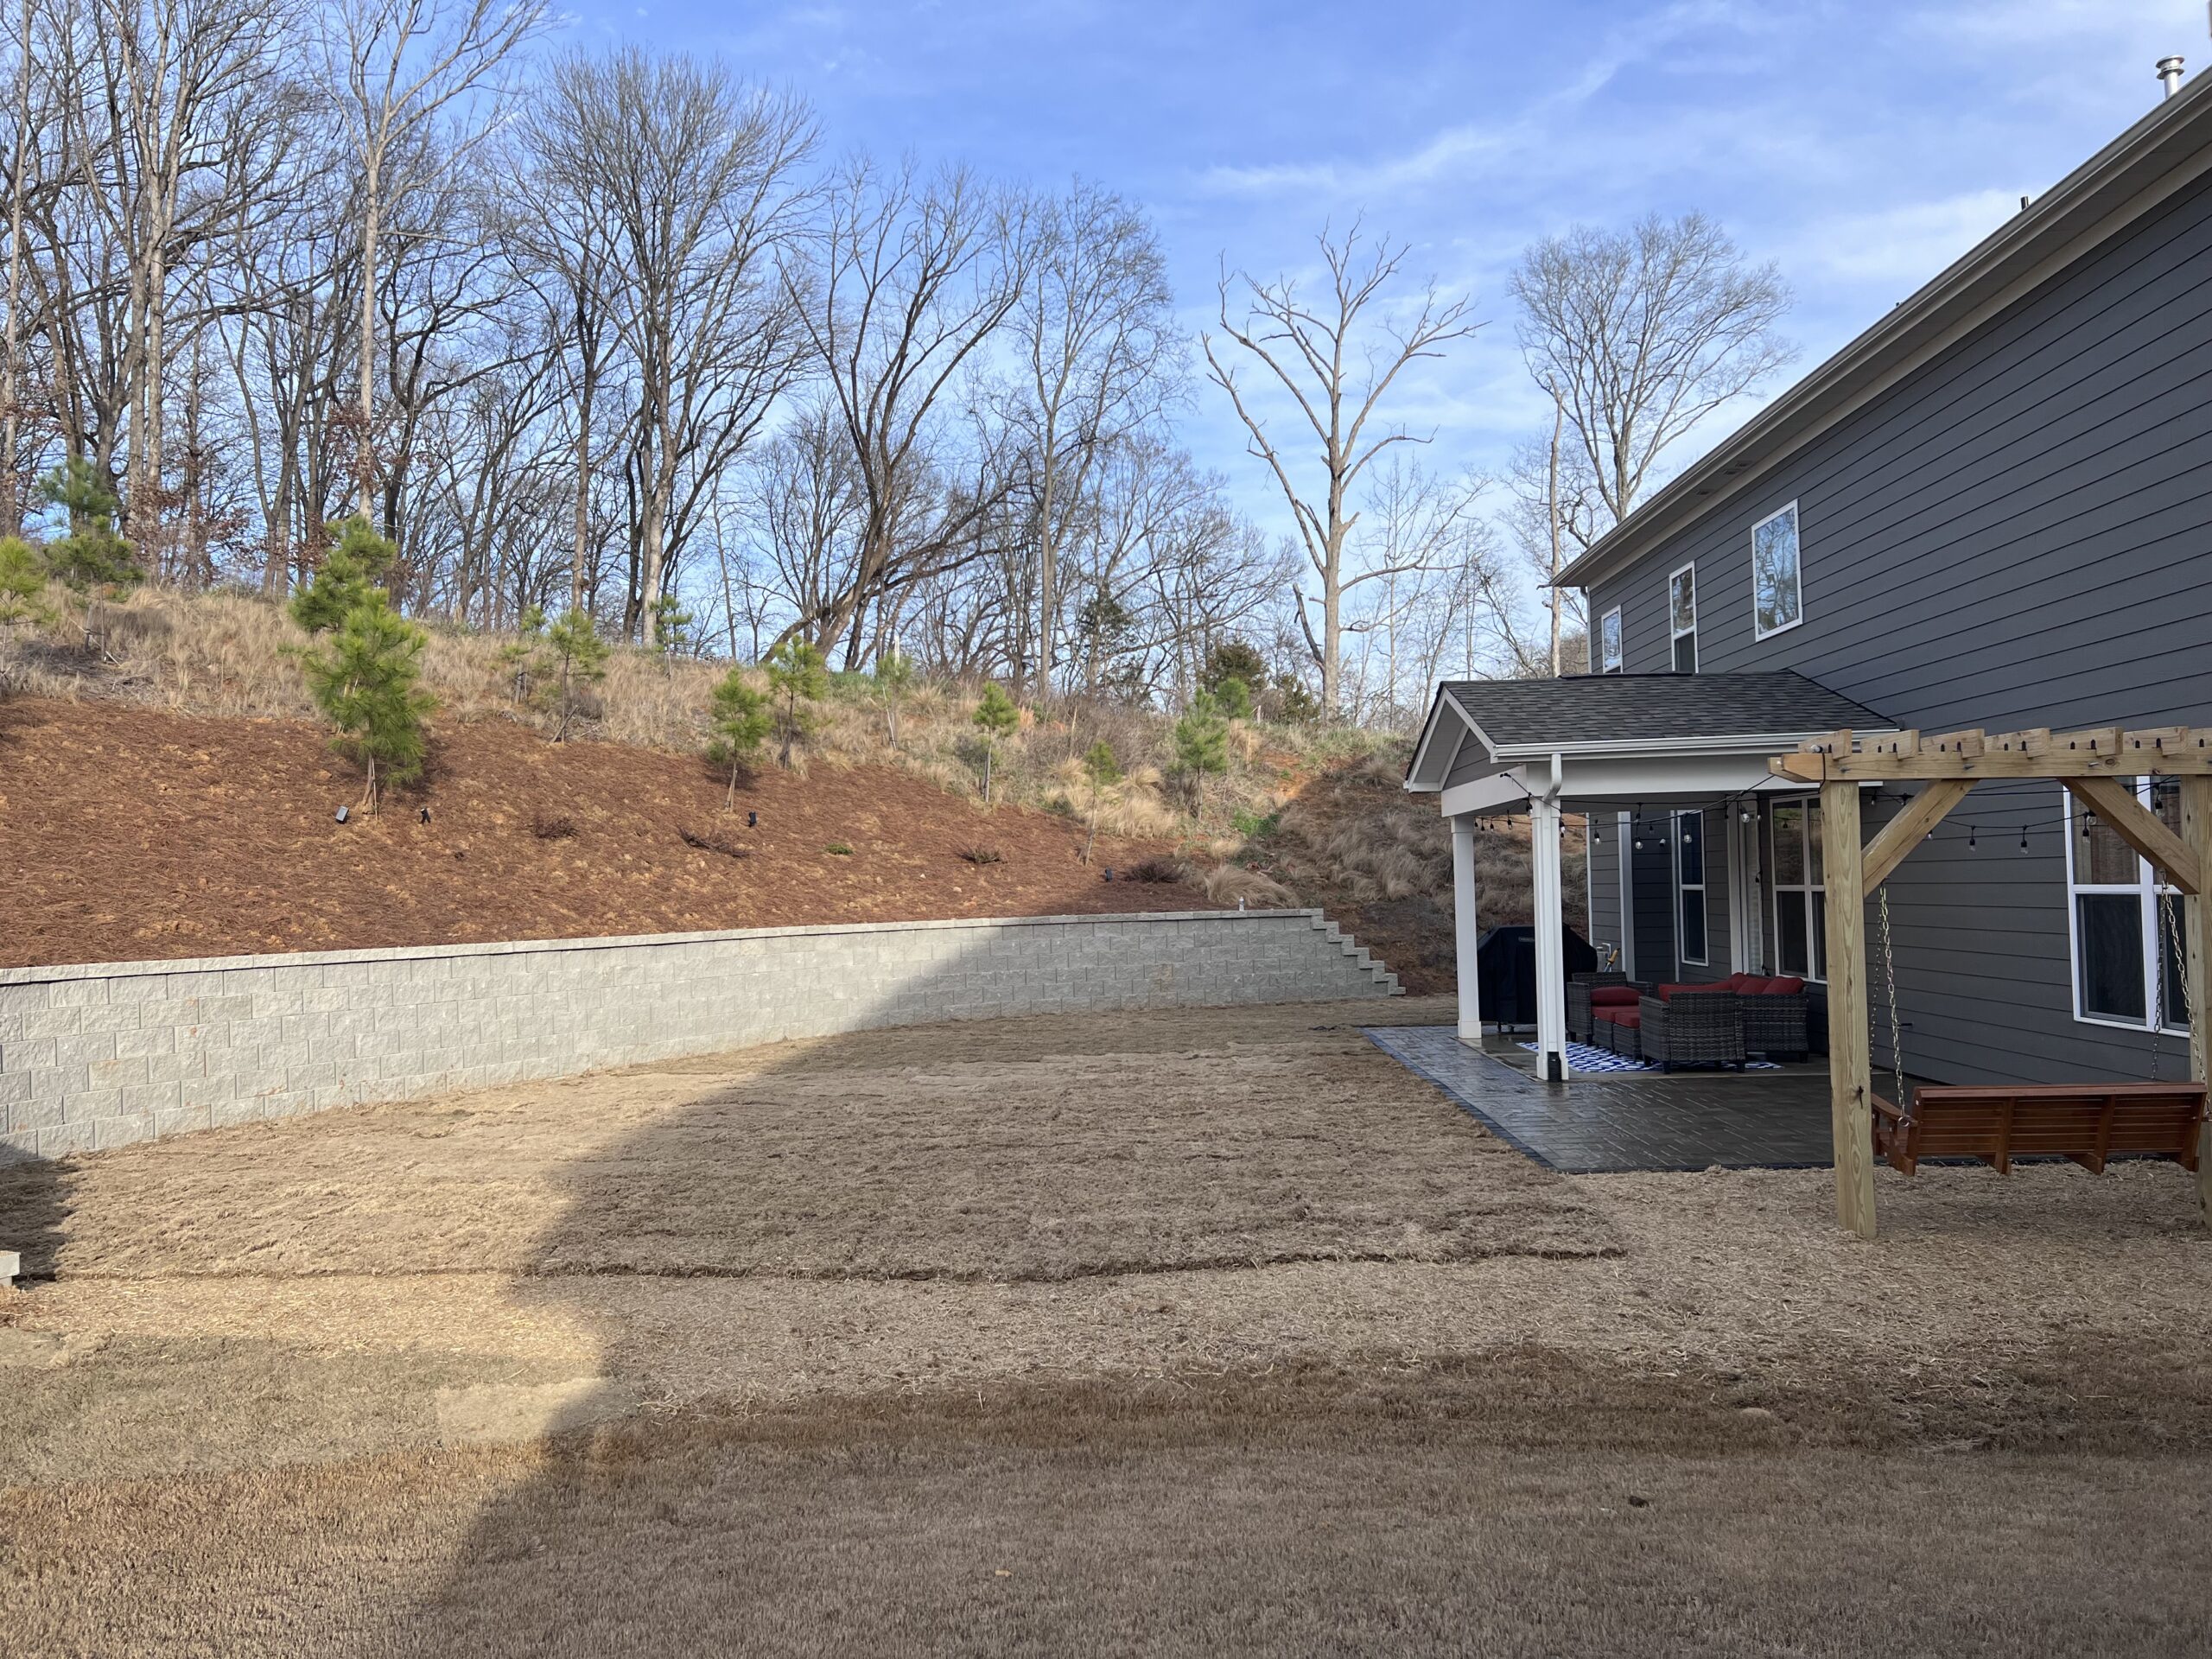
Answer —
(1815, 915)
(1618, 663)
(1628, 895)
(1676, 635)
(2145, 890)
(1683, 889)
(1764, 743)
(1797, 538)
(1500, 789)
(1746, 909)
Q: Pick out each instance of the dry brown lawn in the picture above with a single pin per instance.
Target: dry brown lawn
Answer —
(1208, 1331)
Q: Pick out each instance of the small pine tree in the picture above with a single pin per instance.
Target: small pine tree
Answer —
(1233, 698)
(739, 719)
(366, 679)
(91, 554)
(995, 715)
(893, 679)
(798, 676)
(1103, 768)
(672, 635)
(351, 571)
(577, 658)
(22, 584)
(1201, 747)
(521, 657)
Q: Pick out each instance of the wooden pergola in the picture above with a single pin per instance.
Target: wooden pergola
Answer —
(2091, 765)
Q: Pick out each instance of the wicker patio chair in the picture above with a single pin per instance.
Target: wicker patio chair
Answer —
(1580, 1027)
(1777, 1024)
(1686, 1026)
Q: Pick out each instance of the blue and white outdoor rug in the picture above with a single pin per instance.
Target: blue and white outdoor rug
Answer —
(1580, 1057)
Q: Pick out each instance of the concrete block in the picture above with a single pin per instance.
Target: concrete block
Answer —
(77, 993)
(85, 1048)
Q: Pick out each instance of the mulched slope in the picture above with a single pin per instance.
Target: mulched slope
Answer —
(128, 833)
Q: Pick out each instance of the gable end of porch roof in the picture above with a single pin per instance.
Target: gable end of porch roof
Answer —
(1694, 726)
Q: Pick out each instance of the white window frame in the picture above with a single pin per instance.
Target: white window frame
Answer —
(1797, 538)
(1683, 889)
(1674, 635)
(1611, 643)
(2150, 893)
(1808, 893)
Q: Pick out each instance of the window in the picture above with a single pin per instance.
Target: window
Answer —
(2125, 922)
(1689, 881)
(1777, 598)
(1609, 642)
(1800, 891)
(1681, 617)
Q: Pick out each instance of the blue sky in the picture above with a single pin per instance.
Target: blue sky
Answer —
(1862, 146)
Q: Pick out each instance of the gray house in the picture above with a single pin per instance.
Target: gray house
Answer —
(1993, 510)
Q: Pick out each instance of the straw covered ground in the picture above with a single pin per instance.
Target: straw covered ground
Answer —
(1204, 1332)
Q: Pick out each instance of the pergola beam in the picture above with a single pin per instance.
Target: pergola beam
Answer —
(1850, 1064)
(1911, 827)
(2147, 835)
(2156, 752)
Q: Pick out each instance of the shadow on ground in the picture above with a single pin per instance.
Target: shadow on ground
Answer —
(35, 1203)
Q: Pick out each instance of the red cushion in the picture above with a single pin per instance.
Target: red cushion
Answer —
(1605, 1015)
(1665, 992)
(1614, 996)
(1788, 985)
(1738, 982)
(1633, 1019)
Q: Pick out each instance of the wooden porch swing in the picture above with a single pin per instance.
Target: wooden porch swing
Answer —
(2087, 1122)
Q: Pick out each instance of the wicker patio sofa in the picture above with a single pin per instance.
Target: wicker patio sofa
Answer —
(1581, 1024)
(1690, 1025)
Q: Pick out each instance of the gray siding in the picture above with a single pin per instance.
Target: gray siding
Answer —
(2018, 535)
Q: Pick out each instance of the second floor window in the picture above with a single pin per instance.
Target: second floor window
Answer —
(1777, 598)
(1609, 642)
(1681, 617)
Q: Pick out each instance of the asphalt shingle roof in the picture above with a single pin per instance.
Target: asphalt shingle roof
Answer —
(1607, 707)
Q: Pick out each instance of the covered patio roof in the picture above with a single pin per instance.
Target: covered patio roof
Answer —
(1489, 744)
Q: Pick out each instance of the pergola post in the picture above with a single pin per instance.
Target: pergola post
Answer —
(1551, 931)
(1849, 1064)
(1467, 931)
(2196, 922)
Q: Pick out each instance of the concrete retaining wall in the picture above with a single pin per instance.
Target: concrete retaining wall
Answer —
(108, 1053)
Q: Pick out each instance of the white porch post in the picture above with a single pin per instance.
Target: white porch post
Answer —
(1465, 931)
(1551, 928)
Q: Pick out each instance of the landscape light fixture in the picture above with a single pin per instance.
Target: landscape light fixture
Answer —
(344, 812)
(752, 820)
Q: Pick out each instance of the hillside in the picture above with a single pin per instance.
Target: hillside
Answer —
(127, 832)
(165, 792)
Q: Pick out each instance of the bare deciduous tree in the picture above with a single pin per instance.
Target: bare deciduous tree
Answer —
(908, 281)
(403, 64)
(1097, 362)
(1336, 358)
(1641, 334)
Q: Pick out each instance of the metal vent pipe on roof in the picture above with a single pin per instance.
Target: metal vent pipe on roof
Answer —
(2170, 74)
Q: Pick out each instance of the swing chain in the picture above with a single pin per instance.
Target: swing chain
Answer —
(1889, 987)
(2159, 1011)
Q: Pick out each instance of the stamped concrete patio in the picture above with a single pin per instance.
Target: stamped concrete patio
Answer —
(1606, 1122)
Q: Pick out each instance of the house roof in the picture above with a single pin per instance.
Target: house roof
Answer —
(1627, 712)
(2168, 150)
